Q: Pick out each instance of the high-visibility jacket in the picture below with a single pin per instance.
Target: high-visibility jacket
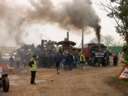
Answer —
(82, 58)
(34, 65)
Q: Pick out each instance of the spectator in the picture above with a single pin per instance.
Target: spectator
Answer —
(58, 60)
(115, 59)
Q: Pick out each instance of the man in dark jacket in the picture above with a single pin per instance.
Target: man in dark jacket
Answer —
(58, 59)
(115, 60)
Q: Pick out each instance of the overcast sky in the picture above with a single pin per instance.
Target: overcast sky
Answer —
(53, 32)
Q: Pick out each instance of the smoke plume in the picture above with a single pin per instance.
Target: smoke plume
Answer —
(11, 21)
(77, 14)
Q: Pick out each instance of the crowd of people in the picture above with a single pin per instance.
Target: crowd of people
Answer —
(66, 59)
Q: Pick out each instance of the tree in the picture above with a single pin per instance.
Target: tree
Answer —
(118, 10)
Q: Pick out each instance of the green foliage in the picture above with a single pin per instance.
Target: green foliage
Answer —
(125, 50)
(118, 81)
(119, 11)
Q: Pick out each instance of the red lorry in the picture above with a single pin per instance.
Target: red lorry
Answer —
(96, 52)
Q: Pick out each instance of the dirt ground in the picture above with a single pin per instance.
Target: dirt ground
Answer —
(87, 82)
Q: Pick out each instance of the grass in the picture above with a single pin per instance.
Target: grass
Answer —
(120, 85)
(118, 81)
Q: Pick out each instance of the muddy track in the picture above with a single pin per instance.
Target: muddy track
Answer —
(87, 82)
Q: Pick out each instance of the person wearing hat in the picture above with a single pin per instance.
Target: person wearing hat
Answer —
(33, 66)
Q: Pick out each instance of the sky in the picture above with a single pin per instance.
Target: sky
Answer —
(53, 32)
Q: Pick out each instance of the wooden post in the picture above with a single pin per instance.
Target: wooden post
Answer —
(82, 40)
(68, 36)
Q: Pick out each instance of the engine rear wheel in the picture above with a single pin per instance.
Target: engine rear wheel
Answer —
(5, 84)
